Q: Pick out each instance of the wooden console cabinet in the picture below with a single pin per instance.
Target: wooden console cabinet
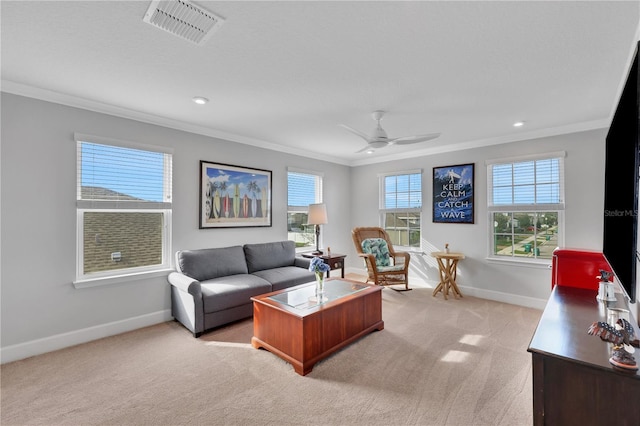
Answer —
(573, 381)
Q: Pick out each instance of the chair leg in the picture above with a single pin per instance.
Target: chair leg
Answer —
(406, 288)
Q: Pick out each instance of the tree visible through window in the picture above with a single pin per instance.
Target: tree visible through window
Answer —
(401, 207)
(526, 202)
(124, 209)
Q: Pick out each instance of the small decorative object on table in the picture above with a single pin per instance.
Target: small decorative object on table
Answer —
(623, 338)
(606, 291)
(318, 266)
(446, 248)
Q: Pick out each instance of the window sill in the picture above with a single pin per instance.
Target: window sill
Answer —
(412, 250)
(542, 264)
(119, 279)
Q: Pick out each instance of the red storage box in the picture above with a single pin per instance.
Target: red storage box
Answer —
(577, 268)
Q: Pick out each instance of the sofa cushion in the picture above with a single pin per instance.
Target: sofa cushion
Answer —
(286, 276)
(269, 255)
(206, 264)
(230, 291)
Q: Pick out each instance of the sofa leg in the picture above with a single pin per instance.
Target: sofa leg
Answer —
(196, 335)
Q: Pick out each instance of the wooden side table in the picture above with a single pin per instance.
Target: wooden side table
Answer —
(448, 266)
(334, 260)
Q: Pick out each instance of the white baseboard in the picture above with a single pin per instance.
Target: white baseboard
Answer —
(72, 338)
(64, 340)
(513, 299)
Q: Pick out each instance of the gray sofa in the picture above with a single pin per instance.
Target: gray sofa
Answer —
(214, 286)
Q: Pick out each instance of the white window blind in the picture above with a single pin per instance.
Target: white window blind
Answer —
(303, 188)
(401, 207)
(518, 185)
(114, 176)
(525, 202)
(123, 208)
(402, 191)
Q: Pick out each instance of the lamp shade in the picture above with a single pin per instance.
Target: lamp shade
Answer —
(317, 214)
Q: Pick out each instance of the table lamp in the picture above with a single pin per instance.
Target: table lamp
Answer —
(317, 217)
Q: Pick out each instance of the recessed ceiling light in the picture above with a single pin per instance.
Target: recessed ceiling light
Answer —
(200, 100)
(518, 124)
(369, 151)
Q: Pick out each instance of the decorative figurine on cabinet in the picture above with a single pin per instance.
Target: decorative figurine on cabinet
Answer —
(623, 338)
(606, 291)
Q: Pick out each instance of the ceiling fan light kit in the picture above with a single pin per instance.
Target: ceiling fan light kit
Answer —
(380, 139)
(200, 100)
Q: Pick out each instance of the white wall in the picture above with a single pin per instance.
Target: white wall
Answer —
(529, 286)
(40, 308)
(42, 311)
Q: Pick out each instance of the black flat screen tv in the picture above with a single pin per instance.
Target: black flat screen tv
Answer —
(620, 236)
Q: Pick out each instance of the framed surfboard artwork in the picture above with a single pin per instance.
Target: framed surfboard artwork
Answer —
(234, 196)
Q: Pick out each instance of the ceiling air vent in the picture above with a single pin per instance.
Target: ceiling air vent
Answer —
(183, 19)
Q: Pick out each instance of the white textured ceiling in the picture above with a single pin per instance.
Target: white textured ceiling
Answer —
(285, 74)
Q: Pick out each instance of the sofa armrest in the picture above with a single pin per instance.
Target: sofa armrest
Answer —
(186, 284)
(187, 305)
(302, 262)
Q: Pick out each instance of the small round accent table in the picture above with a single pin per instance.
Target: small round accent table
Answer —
(448, 266)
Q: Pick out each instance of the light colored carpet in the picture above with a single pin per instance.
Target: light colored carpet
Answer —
(437, 362)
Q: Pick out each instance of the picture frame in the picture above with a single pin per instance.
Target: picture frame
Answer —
(234, 196)
(453, 194)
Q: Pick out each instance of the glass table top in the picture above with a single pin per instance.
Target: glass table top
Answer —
(305, 297)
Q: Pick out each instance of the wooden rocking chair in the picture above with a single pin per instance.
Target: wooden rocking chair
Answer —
(385, 266)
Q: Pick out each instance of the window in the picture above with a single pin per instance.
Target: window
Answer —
(303, 188)
(526, 205)
(401, 207)
(123, 208)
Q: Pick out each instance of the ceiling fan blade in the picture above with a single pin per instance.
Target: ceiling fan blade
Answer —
(356, 132)
(406, 140)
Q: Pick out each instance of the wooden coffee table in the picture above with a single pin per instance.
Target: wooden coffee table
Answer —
(302, 332)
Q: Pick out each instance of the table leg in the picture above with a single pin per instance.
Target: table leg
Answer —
(442, 286)
(438, 288)
(447, 277)
(448, 274)
(453, 275)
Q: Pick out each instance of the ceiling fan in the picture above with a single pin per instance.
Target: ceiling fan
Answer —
(379, 138)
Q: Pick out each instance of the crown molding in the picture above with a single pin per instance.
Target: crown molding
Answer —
(90, 105)
(87, 104)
